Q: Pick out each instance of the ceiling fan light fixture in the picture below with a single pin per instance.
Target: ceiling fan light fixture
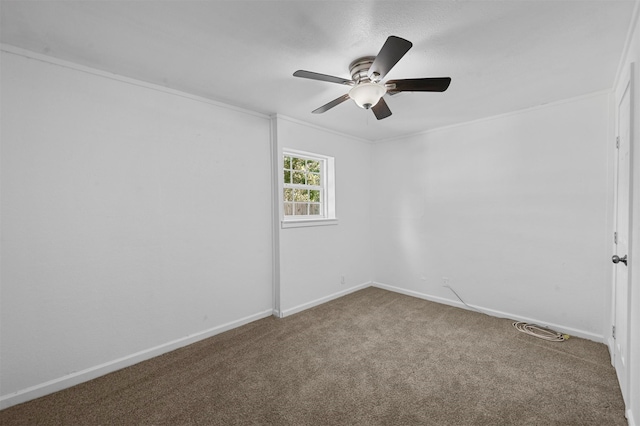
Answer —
(367, 95)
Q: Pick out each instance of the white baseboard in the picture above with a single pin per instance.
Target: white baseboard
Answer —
(286, 312)
(492, 312)
(78, 377)
(419, 295)
(630, 419)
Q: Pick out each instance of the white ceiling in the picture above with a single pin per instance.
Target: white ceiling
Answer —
(502, 56)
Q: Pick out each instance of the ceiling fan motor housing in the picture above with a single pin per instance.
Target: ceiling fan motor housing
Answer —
(360, 68)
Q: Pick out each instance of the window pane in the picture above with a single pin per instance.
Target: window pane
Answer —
(300, 195)
(313, 179)
(314, 195)
(298, 177)
(314, 209)
(313, 166)
(298, 163)
(287, 162)
(288, 209)
(301, 209)
(287, 176)
(288, 194)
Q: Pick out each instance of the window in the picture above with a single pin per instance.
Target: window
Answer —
(303, 186)
(307, 187)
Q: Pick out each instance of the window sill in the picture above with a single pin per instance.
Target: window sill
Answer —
(299, 223)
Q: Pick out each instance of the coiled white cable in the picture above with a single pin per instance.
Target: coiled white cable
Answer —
(540, 332)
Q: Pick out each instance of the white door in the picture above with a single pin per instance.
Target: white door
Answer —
(621, 307)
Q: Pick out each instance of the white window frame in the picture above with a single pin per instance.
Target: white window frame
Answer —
(327, 175)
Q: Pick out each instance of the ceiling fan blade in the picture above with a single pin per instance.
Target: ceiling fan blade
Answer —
(392, 51)
(435, 84)
(322, 77)
(335, 102)
(381, 109)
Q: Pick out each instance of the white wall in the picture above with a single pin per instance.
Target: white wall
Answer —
(632, 55)
(132, 218)
(313, 259)
(512, 209)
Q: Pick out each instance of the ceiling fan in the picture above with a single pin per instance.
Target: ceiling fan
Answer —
(367, 89)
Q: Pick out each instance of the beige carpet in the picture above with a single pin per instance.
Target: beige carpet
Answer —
(370, 358)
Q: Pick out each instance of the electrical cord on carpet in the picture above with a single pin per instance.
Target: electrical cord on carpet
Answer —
(530, 329)
(540, 332)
